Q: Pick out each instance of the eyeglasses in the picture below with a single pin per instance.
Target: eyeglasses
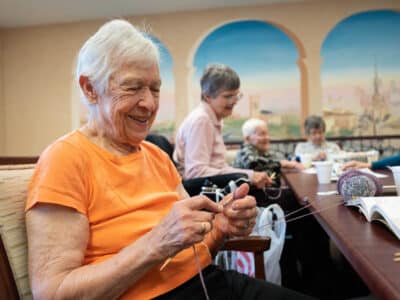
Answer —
(233, 97)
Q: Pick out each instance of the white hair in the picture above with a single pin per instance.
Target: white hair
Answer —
(117, 42)
(250, 126)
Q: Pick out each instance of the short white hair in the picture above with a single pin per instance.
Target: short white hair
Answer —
(250, 126)
(117, 42)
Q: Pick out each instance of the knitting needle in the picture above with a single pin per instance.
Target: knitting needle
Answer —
(167, 261)
(233, 189)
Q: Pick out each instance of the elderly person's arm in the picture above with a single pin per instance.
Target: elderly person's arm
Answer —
(291, 164)
(385, 162)
(58, 237)
(351, 165)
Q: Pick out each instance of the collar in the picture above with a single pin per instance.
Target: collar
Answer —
(210, 112)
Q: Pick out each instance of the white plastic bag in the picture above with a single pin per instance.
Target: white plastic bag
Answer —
(272, 215)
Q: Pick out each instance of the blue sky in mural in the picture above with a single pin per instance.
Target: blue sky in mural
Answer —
(250, 47)
(357, 40)
(265, 59)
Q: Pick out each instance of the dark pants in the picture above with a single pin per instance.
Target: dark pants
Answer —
(305, 262)
(193, 186)
(230, 285)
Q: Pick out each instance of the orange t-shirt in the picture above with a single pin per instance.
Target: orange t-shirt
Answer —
(123, 198)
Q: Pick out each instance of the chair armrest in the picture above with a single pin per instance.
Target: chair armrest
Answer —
(248, 243)
(255, 244)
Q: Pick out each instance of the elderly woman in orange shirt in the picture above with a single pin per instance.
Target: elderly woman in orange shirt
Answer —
(106, 210)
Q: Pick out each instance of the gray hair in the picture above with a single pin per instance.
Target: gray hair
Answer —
(314, 122)
(250, 126)
(117, 42)
(217, 78)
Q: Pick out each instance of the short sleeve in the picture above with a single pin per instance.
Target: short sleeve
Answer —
(60, 178)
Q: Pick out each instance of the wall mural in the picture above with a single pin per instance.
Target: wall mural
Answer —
(361, 75)
(165, 121)
(266, 60)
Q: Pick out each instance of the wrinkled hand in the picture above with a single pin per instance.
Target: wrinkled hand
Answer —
(351, 165)
(239, 215)
(186, 224)
(320, 156)
(294, 165)
(261, 180)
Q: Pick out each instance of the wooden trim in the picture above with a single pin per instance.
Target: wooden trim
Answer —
(331, 138)
(18, 160)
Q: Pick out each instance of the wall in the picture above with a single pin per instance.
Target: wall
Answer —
(2, 102)
(40, 105)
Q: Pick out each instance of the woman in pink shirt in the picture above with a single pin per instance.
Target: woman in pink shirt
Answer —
(199, 146)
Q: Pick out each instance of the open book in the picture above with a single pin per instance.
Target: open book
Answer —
(383, 209)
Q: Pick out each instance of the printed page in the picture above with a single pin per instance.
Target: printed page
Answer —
(389, 208)
(366, 204)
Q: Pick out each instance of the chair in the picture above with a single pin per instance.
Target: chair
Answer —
(14, 281)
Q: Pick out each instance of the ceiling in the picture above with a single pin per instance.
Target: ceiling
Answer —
(18, 13)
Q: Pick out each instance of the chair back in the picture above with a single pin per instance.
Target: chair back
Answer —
(14, 280)
(162, 142)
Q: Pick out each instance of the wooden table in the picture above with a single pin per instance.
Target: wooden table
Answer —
(369, 247)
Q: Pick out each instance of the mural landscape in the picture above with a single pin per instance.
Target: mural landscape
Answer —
(361, 75)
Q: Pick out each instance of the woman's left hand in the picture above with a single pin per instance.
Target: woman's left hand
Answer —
(239, 214)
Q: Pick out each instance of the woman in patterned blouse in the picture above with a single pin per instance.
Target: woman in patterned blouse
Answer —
(254, 152)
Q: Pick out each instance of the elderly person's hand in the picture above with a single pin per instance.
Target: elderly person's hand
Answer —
(239, 214)
(351, 165)
(261, 180)
(320, 156)
(187, 223)
(292, 164)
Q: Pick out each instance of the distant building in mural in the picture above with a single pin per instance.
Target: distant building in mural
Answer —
(376, 109)
(361, 75)
(375, 116)
(254, 105)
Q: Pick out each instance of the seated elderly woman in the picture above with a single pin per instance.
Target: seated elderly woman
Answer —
(106, 209)
(254, 151)
(316, 146)
(199, 145)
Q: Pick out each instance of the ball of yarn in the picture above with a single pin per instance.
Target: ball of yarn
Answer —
(355, 183)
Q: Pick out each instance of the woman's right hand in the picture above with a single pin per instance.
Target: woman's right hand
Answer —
(320, 156)
(187, 223)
